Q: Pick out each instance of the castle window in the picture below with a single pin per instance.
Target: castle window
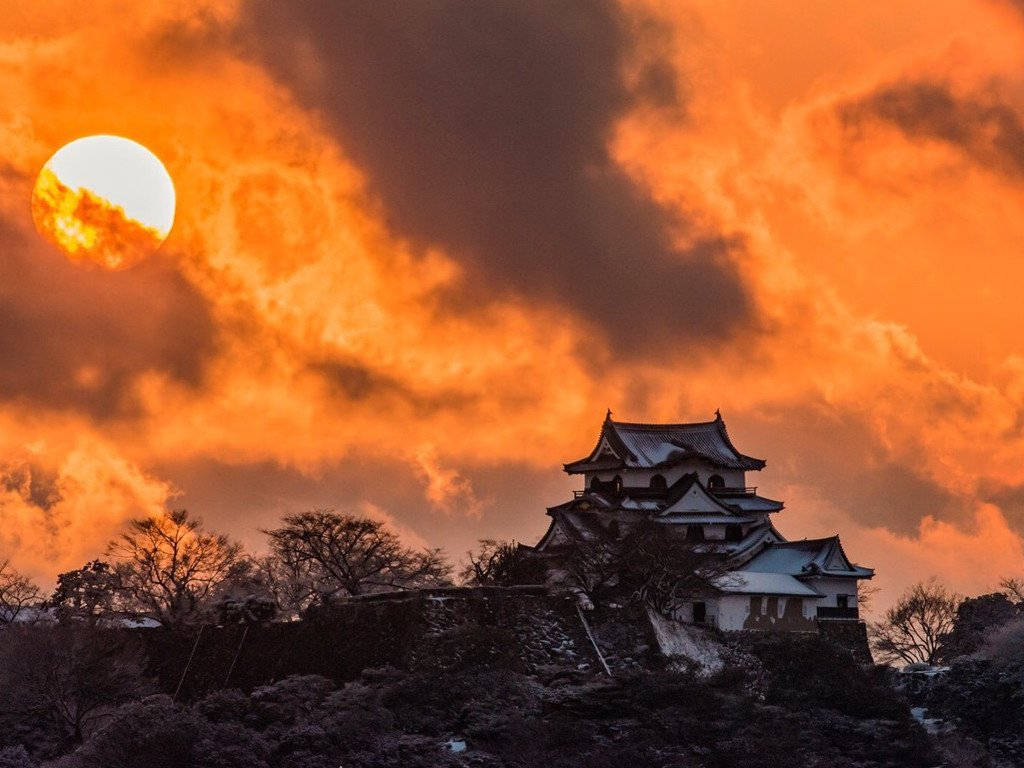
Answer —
(658, 483)
(595, 483)
(700, 613)
(733, 532)
(695, 532)
(842, 601)
(716, 481)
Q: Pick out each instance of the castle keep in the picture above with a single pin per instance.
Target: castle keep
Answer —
(692, 480)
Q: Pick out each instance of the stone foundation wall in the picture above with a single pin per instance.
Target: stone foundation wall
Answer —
(852, 635)
(521, 628)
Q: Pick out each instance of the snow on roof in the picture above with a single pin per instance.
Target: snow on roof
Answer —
(645, 504)
(651, 445)
(25, 614)
(696, 499)
(753, 583)
(807, 557)
(752, 503)
(37, 614)
(755, 536)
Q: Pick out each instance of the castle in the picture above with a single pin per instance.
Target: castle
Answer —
(691, 479)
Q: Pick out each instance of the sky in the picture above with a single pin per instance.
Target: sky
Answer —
(420, 248)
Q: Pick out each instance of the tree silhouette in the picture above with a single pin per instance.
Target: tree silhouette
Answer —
(501, 563)
(73, 674)
(914, 629)
(330, 554)
(644, 563)
(169, 566)
(90, 593)
(18, 593)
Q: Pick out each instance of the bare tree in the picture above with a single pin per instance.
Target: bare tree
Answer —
(501, 563)
(663, 571)
(1014, 589)
(645, 564)
(866, 594)
(18, 593)
(169, 566)
(914, 628)
(330, 554)
(593, 563)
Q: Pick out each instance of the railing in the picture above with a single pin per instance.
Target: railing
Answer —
(644, 490)
(827, 612)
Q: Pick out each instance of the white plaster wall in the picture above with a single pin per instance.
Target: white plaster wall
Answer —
(684, 612)
(732, 612)
(734, 609)
(830, 586)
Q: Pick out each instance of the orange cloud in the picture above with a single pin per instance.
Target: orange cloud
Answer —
(87, 227)
(872, 266)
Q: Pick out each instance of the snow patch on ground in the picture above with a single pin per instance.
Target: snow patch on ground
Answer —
(676, 640)
(926, 670)
(931, 724)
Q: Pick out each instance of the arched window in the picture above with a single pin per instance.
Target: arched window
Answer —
(733, 532)
(595, 483)
(716, 481)
(658, 483)
(694, 532)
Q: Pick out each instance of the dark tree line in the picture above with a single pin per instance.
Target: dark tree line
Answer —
(930, 624)
(170, 568)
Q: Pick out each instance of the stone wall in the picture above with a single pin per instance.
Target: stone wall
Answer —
(852, 635)
(521, 628)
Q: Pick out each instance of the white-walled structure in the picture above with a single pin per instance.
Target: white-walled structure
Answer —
(691, 479)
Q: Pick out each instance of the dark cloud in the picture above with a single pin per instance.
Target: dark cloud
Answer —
(984, 127)
(352, 380)
(1009, 499)
(243, 498)
(836, 453)
(483, 127)
(35, 484)
(75, 337)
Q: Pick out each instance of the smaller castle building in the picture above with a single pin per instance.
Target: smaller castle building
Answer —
(692, 480)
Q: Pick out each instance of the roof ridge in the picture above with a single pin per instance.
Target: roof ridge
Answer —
(655, 427)
(799, 542)
(687, 482)
(652, 445)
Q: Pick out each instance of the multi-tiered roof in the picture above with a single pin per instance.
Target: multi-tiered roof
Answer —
(628, 445)
(691, 477)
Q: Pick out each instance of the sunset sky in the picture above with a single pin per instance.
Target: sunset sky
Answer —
(421, 247)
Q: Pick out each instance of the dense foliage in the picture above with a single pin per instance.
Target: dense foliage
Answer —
(978, 701)
(783, 715)
(486, 684)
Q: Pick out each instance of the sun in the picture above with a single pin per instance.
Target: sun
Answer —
(104, 199)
